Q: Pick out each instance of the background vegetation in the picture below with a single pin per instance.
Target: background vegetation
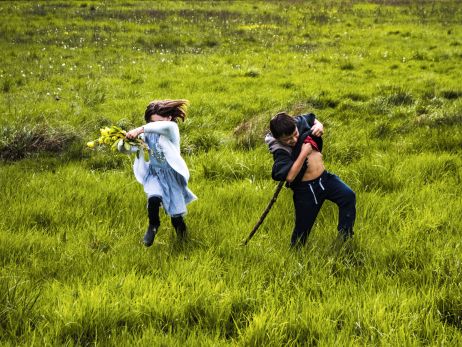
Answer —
(383, 77)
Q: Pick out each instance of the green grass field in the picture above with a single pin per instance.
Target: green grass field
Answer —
(384, 77)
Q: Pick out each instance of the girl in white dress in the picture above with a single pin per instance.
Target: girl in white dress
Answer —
(165, 177)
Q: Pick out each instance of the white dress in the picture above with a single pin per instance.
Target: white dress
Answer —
(166, 174)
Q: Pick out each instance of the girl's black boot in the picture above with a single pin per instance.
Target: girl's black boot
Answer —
(148, 238)
(180, 227)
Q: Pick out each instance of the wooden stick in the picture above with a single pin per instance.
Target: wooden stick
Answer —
(263, 216)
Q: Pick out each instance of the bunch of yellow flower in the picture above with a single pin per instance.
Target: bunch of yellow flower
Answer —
(115, 138)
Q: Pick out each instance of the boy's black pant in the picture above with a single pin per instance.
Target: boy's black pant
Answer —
(308, 199)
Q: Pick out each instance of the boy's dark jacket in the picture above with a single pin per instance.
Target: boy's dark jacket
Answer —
(285, 156)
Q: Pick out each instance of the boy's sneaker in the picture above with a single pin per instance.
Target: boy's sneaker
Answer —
(346, 234)
(148, 238)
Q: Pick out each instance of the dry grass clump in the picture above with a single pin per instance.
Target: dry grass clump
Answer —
(20, 141)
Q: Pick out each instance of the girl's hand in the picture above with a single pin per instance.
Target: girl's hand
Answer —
(317, 129)
(133, 134)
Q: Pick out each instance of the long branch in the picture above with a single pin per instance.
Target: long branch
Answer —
(263, 216)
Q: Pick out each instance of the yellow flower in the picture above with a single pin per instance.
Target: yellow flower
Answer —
(91, 144)
(105, 131)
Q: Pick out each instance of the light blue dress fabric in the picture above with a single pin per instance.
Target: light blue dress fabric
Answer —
(163, 181)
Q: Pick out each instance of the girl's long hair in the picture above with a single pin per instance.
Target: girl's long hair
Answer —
(165, 108)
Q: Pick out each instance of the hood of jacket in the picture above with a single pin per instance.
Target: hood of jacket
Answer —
(274, 145)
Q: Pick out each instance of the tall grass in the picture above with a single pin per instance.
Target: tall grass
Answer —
(383, 78)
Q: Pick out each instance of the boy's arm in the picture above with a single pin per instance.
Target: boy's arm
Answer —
(317, 129)
(298, 163)
(284, 168)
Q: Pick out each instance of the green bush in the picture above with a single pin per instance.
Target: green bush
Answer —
(20, 141)
(200, 141)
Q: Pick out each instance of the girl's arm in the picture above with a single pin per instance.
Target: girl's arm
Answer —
(297, 166)
(166, 128)
(134, 133)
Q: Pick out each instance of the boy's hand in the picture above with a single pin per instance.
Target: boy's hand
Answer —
(306, 149)
(317, 129)
(133, 134)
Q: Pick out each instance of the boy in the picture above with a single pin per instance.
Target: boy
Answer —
(296, 145)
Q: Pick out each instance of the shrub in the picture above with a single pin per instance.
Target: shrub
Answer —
(451, 94)
(250, 133)
(398, 96)
(93, 93)
(388, 98)
(200, 142)
(17, 142)
(382, 131)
